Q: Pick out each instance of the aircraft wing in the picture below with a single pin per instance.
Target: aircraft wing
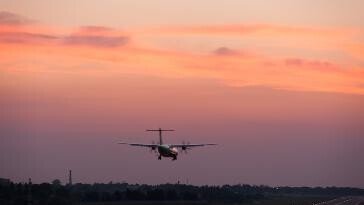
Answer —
(139, 145)
(184, 146)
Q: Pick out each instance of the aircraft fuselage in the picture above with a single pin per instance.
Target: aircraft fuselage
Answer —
(167, 151)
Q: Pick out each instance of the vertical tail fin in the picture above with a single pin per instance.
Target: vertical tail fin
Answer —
(160, 130)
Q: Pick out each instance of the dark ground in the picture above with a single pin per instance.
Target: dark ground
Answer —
(123, 193)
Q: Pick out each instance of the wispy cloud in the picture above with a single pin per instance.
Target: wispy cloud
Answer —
(98, 41)
(233, 65)
(25, 37)
(312, 64)
(225, 51)
(251, 29)
(93, 36)
(98, 36)
(8, 18)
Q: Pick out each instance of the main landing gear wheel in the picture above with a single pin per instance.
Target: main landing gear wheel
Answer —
(159, 157)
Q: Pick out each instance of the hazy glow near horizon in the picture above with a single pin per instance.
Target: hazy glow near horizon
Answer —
(279, 86)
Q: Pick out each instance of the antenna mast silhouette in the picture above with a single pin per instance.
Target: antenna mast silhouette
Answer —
(29, 195)
(70, 178)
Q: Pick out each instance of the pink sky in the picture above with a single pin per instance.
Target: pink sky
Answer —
(280, 87)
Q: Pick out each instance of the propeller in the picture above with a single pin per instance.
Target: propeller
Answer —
(153, 149)
(184, 149)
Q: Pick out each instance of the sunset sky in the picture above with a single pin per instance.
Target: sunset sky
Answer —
(279, 85)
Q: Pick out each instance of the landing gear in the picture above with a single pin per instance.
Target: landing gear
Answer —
(159, 157)
(174, 158)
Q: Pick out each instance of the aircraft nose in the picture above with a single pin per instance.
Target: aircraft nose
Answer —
(175, 150)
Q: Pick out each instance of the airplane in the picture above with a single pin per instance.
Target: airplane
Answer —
(166, 150)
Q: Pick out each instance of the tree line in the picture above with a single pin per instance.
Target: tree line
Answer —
(57, 194)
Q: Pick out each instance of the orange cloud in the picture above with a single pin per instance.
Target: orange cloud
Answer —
(25, 37)
(253, 29)
(96, 36)
(356, 50)
(84, 36)
(8, 18)
(113, 51)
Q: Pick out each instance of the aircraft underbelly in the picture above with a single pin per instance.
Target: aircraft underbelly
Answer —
(166, 152)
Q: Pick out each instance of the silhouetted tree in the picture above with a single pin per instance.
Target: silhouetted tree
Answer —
(57, 194)
(117, 196)
(155, 194)
(134, 195)
(171, 194)
(56, 183)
